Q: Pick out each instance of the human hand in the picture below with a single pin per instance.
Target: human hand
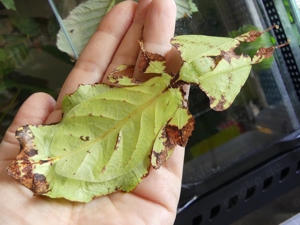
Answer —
(155, 199)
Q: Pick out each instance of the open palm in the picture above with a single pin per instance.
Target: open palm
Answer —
(154, 201)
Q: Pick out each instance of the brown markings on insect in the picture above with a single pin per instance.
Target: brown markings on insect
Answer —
(251, 36)
(103, 169)
(119, 74)
(21, 168)
(220, 105)
(86, 138)
(32, 152)
(180, 136)
(216, 59)
(147, 57)
(44, 161)
(118, 188)
(160, 157)
(40, 184)
(211, 99)
(263, 53)
(229, 55)
(25, 138)
(174, 136)
(230, 80)
(118, 142)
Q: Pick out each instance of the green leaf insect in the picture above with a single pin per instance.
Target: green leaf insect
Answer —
(110, 136)
(9, 4)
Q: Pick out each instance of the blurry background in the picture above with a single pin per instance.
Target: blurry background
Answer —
(29, 59)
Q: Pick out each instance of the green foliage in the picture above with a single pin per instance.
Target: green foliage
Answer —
(18, 37)
(9, 4)
(185, 8)
(3, 55)
(110, 136)
(288, 10)
(27, 26)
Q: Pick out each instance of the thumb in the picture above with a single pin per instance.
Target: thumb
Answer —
(35, 110)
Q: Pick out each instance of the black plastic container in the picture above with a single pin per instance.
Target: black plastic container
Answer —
(242, 158)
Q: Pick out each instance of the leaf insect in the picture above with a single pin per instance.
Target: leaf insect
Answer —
(109, 137)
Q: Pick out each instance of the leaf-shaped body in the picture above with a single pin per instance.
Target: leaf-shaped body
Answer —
(110, 136)
(104, 142)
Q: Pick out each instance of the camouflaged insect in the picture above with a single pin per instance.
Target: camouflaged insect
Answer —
(109, 137)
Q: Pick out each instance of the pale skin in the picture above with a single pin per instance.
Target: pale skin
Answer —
(154, 201)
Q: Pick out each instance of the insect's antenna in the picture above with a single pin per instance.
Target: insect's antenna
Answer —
(270, 28)
(282, 45)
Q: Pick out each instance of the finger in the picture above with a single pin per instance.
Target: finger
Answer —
(128, 50)
(166, 178)
(159, 28)
(158, 31)
(98, 53)
(35, 110)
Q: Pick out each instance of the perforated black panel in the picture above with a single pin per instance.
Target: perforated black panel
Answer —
(286, 51)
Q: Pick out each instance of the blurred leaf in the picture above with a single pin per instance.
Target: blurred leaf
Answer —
(62, 56)
(16, 48)
(185, 8)
(82, 23)
(12, 40)
(288, 10)
(5, 68)
(9, 4)
(25, 82)
(5, 26)
(17, 54)
(3, 55)
(27, 26)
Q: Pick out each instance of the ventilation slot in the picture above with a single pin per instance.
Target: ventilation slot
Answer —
(284, 173)
(250, 192)
(214, 212)
(232, 201)
(267, 183)
(197, 220)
